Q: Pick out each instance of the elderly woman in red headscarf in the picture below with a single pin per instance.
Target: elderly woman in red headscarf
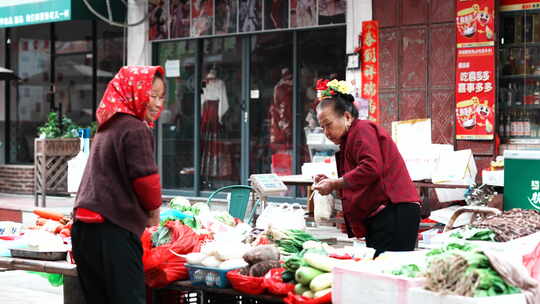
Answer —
(120, 192)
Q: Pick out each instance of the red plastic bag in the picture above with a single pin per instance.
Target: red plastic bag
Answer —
(246, 284)
(161, 266)
(273, 282)
(298, 299)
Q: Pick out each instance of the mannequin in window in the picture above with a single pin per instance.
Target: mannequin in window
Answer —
(216, 161)
(281, 125)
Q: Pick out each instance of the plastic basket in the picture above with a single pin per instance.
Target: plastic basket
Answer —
(207, 276)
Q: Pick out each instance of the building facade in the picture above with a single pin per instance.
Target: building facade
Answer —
(241, 74)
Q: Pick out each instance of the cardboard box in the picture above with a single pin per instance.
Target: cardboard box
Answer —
(363, 287)
(420, 295)
(454, 168)
(422, 160)
(493, 178)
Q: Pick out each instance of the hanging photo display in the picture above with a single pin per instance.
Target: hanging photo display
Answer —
(202, 17)
(226, 16)
(370, 67)
(180, 21)
(475, 93)
(475, 22)
(158, 17)
(276, 14)
(250, 16)
(303, 13)
(332, 11)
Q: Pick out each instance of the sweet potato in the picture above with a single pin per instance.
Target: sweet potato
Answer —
(261, 254)
(260, 269)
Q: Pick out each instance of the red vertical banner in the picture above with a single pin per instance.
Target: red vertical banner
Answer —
(475, 69)
(370, 67)
(475, 93)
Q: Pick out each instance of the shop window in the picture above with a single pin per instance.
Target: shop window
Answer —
(220, 113)
(271, 104)
(320, 57)
(177, 119)
(30, 55)
(73, 71)
(110, 55)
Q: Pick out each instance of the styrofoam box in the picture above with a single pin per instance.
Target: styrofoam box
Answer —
(355, 286)
(420, 295)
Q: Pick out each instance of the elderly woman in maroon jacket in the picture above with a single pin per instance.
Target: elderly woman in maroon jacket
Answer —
(380, 202)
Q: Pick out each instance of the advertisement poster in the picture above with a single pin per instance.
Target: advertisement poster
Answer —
(202, 17)
(276, 14)
(158, 17)
(180, 22)
(475, 93)
(250, 16)
(303, 13)
(332, 11)
(226, 16)
(370, 67)
(475, 23)
(519, 5)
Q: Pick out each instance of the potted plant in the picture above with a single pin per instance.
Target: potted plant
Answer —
(58, 137)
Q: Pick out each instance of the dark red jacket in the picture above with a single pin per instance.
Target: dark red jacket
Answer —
(374, 173)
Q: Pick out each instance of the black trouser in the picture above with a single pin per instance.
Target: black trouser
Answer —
(395, 228)
(109, 263)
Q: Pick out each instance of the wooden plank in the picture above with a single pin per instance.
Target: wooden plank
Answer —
(60, 267)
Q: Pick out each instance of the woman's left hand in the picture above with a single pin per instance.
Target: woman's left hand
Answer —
(325, 186)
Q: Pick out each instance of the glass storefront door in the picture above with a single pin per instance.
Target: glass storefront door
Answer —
(30, 58)
(176, 121)
(271, 104)
(247, 86)
(73, 70)
(220, 112)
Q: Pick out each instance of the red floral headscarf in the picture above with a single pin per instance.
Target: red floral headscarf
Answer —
(128, 92)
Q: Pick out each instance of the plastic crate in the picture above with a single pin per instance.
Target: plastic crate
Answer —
(207, 276)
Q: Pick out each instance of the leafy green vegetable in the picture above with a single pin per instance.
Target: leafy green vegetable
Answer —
(410, 271)
(475, 234)
(294, 240)
(451, 246)
(161, 237)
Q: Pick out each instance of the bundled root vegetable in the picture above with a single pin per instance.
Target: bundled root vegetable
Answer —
(465, 273)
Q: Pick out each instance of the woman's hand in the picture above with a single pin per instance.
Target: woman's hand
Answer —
(153, 217)
(325, 186)
(319, 177)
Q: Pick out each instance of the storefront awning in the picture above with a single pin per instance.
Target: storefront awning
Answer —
(27, 12)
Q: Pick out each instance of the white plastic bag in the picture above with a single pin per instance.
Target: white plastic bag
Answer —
(323, 206)
(282, 216)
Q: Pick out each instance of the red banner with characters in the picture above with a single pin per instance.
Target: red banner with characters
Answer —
(519, 5)
(370, 67)
(475, 23)
(475, 93)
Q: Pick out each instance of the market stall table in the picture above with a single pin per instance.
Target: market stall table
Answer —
(72, 289)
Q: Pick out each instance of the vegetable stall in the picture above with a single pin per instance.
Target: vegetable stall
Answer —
(198, 254)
